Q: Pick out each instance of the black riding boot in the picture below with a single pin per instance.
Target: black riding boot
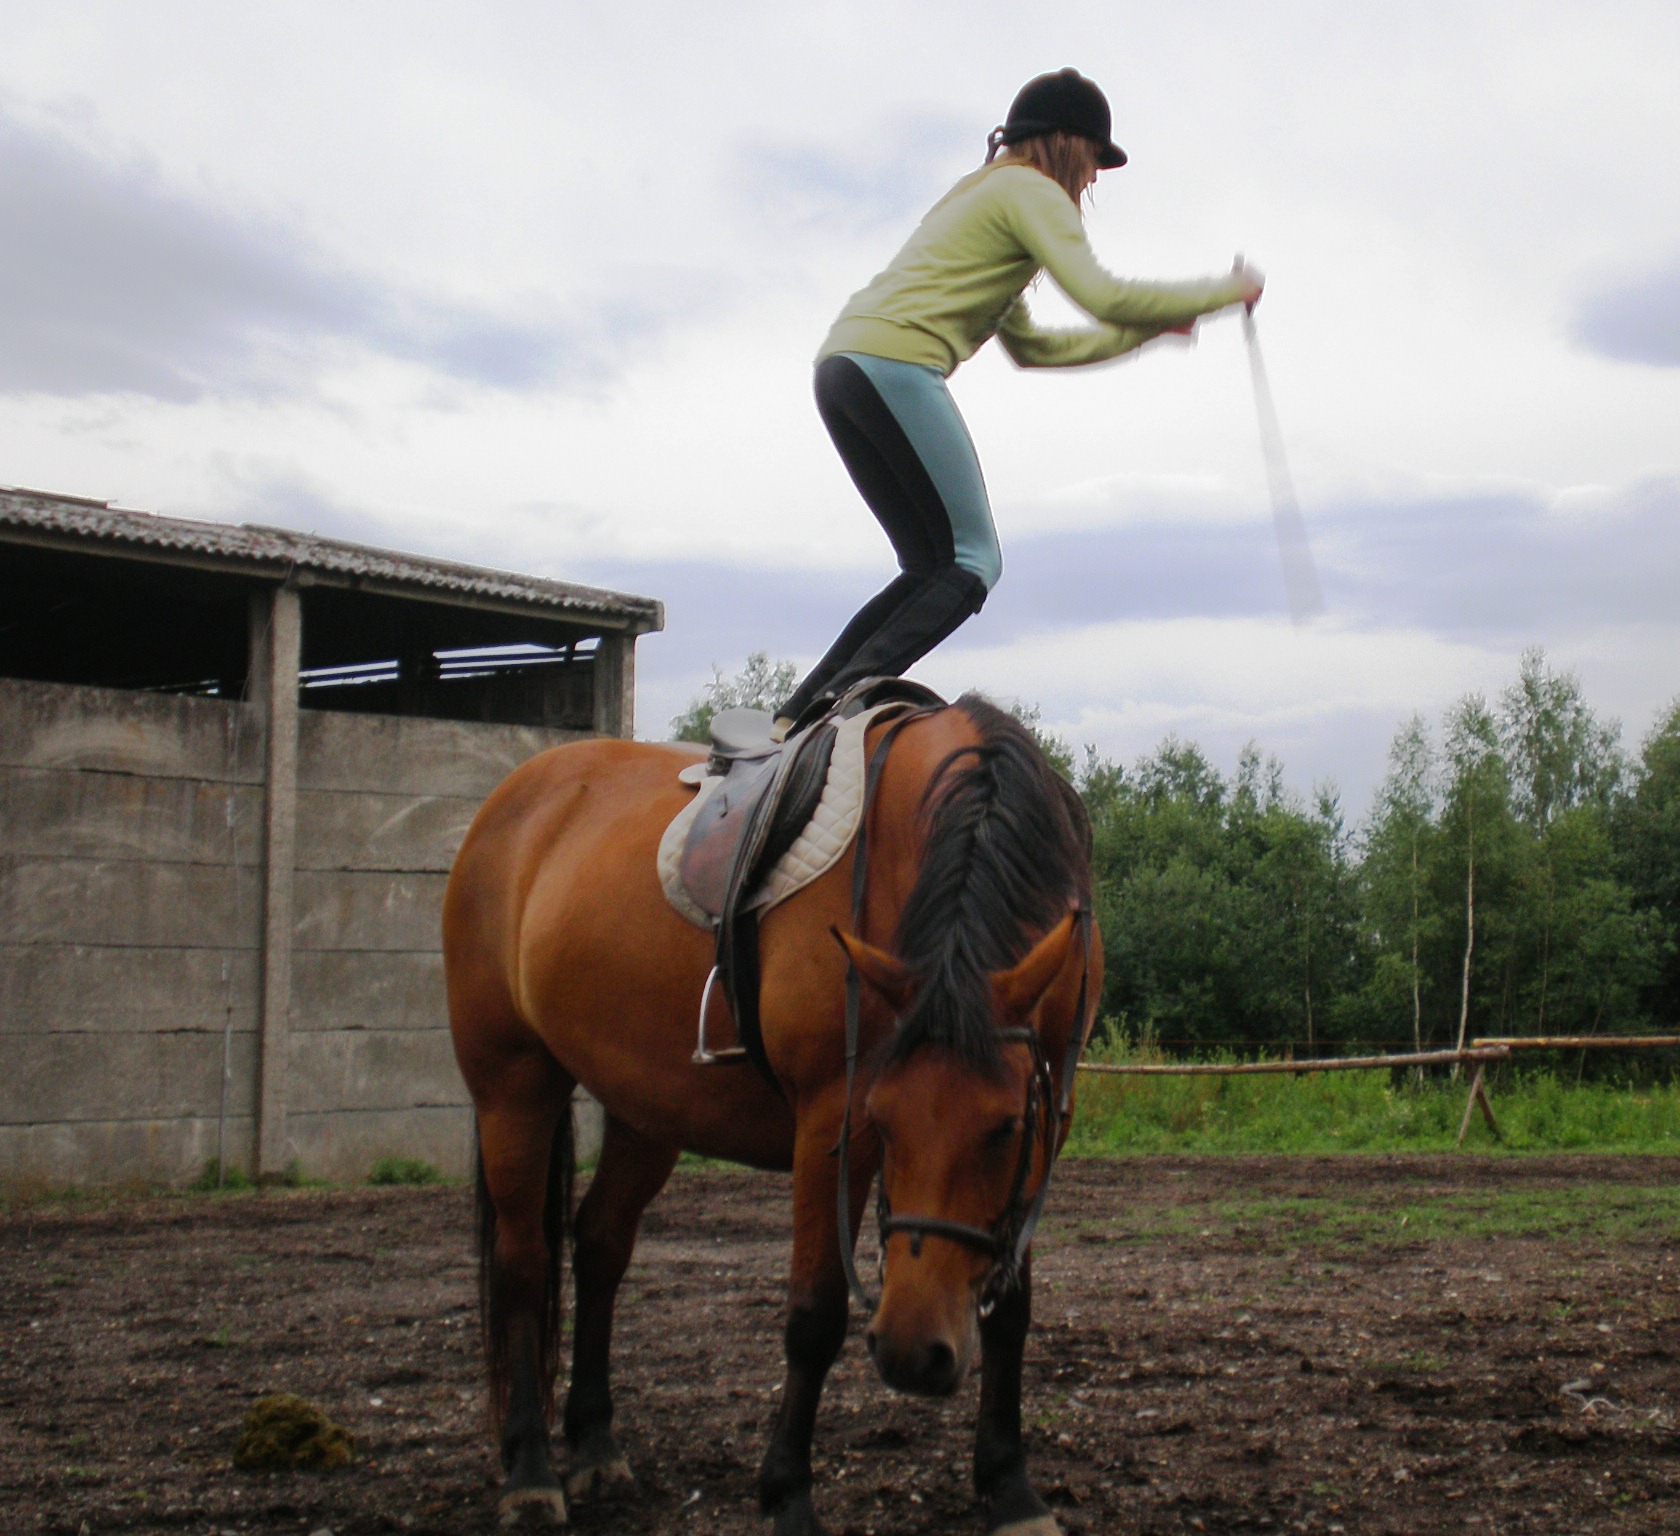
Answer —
(892, 632)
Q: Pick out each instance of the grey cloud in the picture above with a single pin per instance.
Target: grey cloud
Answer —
(1633, 320)
(1508, 569)
(1498, 570)
(866, 185)
(110, 282)
(1495, 570)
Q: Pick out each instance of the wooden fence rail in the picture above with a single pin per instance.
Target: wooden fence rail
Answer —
(1481, 1051)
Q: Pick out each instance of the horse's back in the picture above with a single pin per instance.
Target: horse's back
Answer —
(556, 929)
(575, 826)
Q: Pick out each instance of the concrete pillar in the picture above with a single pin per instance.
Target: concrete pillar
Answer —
(276, 647)
(615, 686)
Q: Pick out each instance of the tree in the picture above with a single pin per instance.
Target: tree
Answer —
(1395, 853)
(760, 684)
(1477, 821)
(1647, 831)
(1051, 745)
(1558, 753)
(1227, 910)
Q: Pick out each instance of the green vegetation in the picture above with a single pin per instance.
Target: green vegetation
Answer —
(404, 1170)
(1586, 1211)
(214, 1177)
(761, 684)
(1518, 876)
(1361, 1111)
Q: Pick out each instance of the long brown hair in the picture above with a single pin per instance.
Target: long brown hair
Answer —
(1068, 159)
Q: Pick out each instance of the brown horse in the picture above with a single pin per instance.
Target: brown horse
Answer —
(566, 965)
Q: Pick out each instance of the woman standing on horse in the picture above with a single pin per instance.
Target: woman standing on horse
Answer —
(958, 281)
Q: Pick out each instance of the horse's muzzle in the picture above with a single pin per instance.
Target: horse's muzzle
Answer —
(926, 1368)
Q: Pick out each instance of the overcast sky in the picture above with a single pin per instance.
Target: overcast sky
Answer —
(538, 285)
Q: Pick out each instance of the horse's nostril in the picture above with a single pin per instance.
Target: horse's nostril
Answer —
(939, 1365)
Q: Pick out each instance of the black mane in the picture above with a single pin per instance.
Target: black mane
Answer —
(1007, 852)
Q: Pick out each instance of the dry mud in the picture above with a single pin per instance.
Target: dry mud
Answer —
(1220, 1345)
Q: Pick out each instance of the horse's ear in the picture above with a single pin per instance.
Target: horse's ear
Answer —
(888, 976)
(1020, 989)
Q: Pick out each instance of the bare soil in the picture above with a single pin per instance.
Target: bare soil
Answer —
(1211, 1353)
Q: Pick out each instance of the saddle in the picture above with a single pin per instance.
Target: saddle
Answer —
(724, 868)
(763, 790)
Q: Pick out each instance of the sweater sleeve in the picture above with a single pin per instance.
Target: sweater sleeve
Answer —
(1031, 345)
(1046, 222)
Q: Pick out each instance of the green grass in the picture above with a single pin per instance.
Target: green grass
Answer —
(1592, 1211)
(404, 1170)
(1361, 1112)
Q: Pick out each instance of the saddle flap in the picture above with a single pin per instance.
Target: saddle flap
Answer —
(710, 850)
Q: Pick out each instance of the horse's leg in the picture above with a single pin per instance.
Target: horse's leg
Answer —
(632, 1170)
(816, 1327)
(1000, 1460)
(525, 1160)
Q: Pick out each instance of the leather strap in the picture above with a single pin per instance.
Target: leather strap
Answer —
(860, 887)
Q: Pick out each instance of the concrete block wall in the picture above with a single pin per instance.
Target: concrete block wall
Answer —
(128, 932)
(131, 935)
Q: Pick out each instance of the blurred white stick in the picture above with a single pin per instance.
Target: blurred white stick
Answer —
(1300, 578)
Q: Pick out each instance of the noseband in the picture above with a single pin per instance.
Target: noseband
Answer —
(1047, 1106)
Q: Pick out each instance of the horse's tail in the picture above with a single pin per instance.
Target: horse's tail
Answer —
(493, 1308)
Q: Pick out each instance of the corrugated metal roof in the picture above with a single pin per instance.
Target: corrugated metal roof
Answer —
(276, 552)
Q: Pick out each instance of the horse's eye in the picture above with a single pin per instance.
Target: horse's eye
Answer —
(1003, 1133)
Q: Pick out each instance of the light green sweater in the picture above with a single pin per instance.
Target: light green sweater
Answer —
(959, 280)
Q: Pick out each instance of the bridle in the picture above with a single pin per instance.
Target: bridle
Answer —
(1048, 1104)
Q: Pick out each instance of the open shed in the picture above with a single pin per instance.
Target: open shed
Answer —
(235, 765)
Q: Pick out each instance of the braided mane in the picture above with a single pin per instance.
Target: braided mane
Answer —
(1007, 851)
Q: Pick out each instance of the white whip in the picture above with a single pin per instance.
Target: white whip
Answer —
(1300, 578)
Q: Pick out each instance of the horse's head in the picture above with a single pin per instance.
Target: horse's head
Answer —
(967, 1141)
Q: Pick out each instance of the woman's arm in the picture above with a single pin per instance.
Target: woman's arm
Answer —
(1047, 224)
(1031, 345)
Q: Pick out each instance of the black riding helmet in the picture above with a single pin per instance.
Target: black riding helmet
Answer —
(1063, 102)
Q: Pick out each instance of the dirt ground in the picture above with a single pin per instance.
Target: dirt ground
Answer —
(1221, 1345)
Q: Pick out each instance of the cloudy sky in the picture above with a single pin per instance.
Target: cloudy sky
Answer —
(537, 285)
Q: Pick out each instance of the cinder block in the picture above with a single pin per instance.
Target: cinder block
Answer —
(345, 1146)
(84, 815)
(70, 988)
(374, 1069)
(72, 1077)
(340, 830)
(94, 1153)
(120, 902)
(367, 911)
(113, 730)
(355, 989)
(398, 755)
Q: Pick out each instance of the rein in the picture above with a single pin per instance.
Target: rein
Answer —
(1008, 1239)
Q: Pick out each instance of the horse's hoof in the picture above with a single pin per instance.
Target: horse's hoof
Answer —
(797, 1518)
(605, 1479)
(532, 1507)
(1039, 1525)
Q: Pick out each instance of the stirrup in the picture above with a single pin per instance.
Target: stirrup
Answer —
(730, 1054)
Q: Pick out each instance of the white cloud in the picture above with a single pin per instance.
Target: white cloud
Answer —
(539, 285)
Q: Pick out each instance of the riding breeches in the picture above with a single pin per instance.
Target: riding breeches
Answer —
(912, 460)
